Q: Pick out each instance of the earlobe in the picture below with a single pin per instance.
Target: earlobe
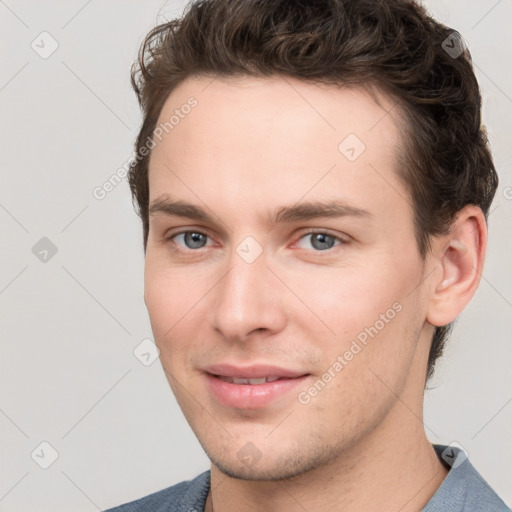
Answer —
(460, 255)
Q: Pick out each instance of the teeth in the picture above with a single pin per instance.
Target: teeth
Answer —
(225, 379)
(253, 382)
(261, 380)
(241, 381)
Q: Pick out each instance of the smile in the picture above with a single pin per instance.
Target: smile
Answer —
(252, 382)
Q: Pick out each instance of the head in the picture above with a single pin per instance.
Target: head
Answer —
(253, 109)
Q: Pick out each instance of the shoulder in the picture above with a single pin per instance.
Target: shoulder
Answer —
(463, 489)
(189, 496)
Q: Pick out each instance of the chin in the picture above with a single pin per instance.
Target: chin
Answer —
(283, 468)
(263, 474)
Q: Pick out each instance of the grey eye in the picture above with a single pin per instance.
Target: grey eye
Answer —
(321, 241)
(193, 239)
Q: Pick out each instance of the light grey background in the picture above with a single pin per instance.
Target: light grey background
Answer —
(69, 325)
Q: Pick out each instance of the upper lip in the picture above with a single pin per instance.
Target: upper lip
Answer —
(252, 372)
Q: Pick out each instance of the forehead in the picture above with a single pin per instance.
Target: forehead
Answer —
(253, 137)
(261, 103)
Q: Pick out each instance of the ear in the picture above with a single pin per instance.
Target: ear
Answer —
(460, 257)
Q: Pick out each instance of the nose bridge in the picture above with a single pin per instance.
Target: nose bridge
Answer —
(242, 289)
(242, 302)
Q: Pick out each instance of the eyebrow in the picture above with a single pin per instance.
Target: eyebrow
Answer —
(317, 209)
(297, 212)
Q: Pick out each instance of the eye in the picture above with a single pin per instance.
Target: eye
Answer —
(190, 239)
(321, 241)
(318, 240)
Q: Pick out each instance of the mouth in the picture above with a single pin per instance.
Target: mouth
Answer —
(251, 387)
(252, 382)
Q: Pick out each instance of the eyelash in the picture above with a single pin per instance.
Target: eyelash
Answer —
(304, 234)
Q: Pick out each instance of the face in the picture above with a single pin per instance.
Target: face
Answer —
(282, 276)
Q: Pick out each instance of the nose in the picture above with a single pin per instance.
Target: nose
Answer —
(248, 300)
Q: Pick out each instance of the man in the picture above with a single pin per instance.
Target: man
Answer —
(313, 181)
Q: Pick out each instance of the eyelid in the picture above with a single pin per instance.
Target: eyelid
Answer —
(170, 233)
(323, 231)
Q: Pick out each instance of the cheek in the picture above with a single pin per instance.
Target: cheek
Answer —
(347, 300)
(168, 290)
(178, 302)
(167, 301)
(367, 315)
(363, 368)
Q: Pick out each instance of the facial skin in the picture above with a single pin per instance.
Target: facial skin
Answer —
(249, 148)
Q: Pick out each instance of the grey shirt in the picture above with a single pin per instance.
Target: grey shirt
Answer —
(463, 490)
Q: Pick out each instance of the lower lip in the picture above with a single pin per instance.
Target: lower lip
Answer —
(249, 396)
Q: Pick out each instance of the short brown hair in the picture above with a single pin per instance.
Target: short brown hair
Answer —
(393, 45)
